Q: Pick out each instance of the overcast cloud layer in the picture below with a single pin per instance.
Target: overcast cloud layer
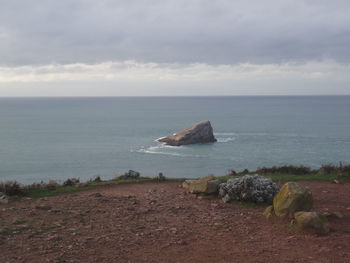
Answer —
(55, 40)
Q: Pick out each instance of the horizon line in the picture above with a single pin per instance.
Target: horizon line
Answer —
(172, 96)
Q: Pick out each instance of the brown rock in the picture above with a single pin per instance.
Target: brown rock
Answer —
(205, 185)
(311, 222)
(292, 197)
(268, 212)
(201, 132)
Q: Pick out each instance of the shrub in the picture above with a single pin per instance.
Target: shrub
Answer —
(233, 172)
(328, 169)
(11, 188)
(130, 175)
(160, 177)
(286, 169)
(346, 170)
(245, 171)
(340, 171)
(97, 179)
(71, 182)
(51, 185)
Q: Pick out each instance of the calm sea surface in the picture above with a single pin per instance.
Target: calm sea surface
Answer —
(57, 138)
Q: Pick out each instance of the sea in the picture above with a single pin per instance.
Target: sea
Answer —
(44, 139)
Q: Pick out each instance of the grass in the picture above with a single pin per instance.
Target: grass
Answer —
(297, 173)
(294, 177)
(38, 192)
(303, 177)
(248, 204)
(276, 173)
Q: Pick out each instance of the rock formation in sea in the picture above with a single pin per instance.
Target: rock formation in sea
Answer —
(201, 132)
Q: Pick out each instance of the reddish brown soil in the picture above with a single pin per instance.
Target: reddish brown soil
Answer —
(159, 222)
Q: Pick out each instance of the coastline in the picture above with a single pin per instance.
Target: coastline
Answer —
(327, 173)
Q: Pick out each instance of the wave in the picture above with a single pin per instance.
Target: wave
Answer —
(223, 140)
(157, 140)
(268, 134)
(255, 134)
(161, 150)
(161, 153)
(224, 133)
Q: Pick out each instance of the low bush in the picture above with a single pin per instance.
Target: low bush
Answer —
(340, 171)
(11, 188)
(51, 185)
(71, 182)
(160, 177)
(286, 169)
(245, 171)
(328, 169)
(97, 179)
(346, 170)
(232, 172)
(130, 175)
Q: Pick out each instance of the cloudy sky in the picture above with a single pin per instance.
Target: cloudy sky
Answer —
(174, 47)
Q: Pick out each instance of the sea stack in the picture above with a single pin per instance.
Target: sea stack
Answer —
(200, 132)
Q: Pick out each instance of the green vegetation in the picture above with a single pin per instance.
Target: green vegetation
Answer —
(303, 177)
(247, 204)
(277, 173)
(71, 185)
(297, 173)
(286, 169)
(36, 192)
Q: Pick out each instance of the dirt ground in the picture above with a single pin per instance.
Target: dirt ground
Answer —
(160, 222)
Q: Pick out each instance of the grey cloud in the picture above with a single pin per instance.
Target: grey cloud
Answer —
(179, 31)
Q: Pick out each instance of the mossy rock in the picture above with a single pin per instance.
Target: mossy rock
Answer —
(311, 222)
(202, 185)
(268, 213)
(293, 197)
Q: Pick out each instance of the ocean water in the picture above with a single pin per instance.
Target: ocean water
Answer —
(58, 138)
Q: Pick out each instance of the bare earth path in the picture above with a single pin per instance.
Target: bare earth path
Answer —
(159, 222)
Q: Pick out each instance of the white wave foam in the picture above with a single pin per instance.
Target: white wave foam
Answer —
(229, 139)
(267, 134)
(224, 133)
(159, 149)
(161, 153)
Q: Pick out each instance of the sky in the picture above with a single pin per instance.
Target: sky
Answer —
(174, 47)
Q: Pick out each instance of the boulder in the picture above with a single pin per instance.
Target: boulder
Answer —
(311, 222)
(268, 212)
(3, 198)
(212, 187)
(292, 198)
(252, 188)
(201, 132)
(205, 185)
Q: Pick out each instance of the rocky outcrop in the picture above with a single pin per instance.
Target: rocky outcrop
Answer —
(201, 132)
(205, 185)
(292, 198)
(311, 222)
(295, 201)
(252, 188)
